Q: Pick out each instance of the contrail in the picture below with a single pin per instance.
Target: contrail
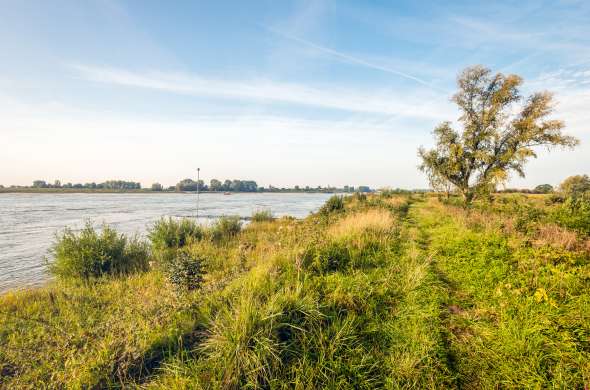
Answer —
(349, 58)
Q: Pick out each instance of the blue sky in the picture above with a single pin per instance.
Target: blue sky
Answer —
(284, 93)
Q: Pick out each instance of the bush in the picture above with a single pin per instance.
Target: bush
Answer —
(574, 213)
(334, 204)
(554, 199)
(526, 218)
(173, 233)
(185, 271)
(262, 216)
(226, 227)
(90, 254)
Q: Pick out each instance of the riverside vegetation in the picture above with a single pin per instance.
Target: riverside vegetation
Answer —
(377, 291)
(391, 290)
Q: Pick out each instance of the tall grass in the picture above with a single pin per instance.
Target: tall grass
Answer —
(334, 204)
(262, 216)
(388, 292)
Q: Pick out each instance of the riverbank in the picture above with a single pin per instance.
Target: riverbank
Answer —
(28, 222)
(377, 292)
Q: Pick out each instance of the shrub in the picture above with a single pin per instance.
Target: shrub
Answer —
(226, 227)
(526, 217)
(91, 254)
(334, 204)
(173, 233)
(574, 213)
(262, 216)
(554, 199)
(185, 271)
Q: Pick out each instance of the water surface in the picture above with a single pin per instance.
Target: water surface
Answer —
(28, 222)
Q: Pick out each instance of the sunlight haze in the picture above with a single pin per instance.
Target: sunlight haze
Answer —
(284, 93)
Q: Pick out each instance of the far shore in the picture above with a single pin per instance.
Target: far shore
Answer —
(18, 190)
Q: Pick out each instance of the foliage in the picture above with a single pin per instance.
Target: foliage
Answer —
(91, 254)
(492, 143)
(226, 227)
(262, 216)
(334, 204)
(216, 185)
(157, 187)
(174, 233)
(574, 213)
(543, 189)
(190, 185)
(394, 292)
(575, 185)
(107, 185)
(185, 271)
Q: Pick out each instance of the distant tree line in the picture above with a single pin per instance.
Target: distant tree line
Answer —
(251, 186)
(216, 185)
(190, 185)
(107, 185)
(540, 189)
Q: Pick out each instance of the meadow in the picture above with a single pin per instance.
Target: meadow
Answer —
(380, 291)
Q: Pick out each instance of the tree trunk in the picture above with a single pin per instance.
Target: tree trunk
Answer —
(468, 195)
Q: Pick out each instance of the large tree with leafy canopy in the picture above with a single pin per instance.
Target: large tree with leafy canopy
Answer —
(500, 131)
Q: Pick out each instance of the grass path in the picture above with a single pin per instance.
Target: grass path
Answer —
(512, 316)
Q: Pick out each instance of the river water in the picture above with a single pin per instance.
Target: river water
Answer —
(29, 222)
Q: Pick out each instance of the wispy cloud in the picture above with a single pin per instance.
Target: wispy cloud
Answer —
(419, 104)
(352, 59)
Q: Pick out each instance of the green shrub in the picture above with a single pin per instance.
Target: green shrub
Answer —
(334, 204)
(574, 213)
(526, 218)
(554, 199)
(226, 227)
(174, 233)
(91, 254)
(185, 271)
(262, 216)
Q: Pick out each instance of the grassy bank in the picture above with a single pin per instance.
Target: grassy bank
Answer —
(370, 292)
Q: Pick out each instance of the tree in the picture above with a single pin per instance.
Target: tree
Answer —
(39, 184)
(191, 185)
(544, 188)
(157, 187)
(215, 185)
(494, 141)
(575, 185)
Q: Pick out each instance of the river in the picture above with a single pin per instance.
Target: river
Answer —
(29, 222)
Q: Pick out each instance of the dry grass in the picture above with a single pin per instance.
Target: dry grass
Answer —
(544, 233)
(356, 224)
(560, 237)
(396, 201)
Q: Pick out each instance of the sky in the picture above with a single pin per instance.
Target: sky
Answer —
(282, 92)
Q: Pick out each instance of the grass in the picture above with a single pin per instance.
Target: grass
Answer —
(394, 291)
